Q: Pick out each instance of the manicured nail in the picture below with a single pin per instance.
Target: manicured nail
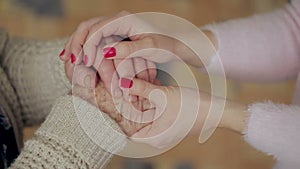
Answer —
(73, 58)
(62, 53)
(85, 59)
(126, 83)
(109, 52)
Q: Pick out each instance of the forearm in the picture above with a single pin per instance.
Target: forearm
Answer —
(37, 75)
(263, 48)
(206, 48)
(266, 126)
(64, 140)
(273, 129)
(234, 116)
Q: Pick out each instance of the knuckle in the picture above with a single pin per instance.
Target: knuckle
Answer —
(82, 26)
(123, 49)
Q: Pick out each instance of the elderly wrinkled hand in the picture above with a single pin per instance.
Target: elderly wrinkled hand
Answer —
(101, 98)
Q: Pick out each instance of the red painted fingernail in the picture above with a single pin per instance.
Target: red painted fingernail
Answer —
(85, 60)
(62, 53)
(126, 83)
(73, 58)
(109, 52)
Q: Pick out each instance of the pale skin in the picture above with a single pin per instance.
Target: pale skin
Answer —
(234, 116)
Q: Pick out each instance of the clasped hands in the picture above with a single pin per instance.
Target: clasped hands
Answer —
(128, 90)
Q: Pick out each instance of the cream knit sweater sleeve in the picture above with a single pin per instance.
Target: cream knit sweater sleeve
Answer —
(36, 74)
(61, 141)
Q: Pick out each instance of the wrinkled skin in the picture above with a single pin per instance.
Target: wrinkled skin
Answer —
(101, 98)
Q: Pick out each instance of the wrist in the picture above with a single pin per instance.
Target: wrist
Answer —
(211, 36)
(187, 54)
(94, 137)
(234, 117)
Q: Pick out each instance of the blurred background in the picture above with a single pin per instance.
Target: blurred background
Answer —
(48, 19)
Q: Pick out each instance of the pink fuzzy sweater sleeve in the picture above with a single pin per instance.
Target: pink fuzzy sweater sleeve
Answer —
(261, 48)
(274, 129)
(265, 48)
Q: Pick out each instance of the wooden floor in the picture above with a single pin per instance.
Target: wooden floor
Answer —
(225, 150)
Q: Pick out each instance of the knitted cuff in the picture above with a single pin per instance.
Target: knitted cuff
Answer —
(76, 126)
(274, 128)
(37, 74)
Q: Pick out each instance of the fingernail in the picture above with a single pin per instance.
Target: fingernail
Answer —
(62, 53)
(109, 52)
(126, 83)
(73, 58)
(85, 60)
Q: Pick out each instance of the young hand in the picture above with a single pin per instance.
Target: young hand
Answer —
(176, 112)
(172, 113)
(72, 53)
(145, 35)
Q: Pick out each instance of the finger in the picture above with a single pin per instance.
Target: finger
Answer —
(125, 49)
(99, 56)
(79, 38)
(109, 76)
(65, 54)
(123, 24)
(132, 113)
(130, 127)
(125, 68)
(144, 89)
(85, 77)
(98, 31)
(69, 68)
(157, 82)
(140, 68)
(108, 106)
(152, 71)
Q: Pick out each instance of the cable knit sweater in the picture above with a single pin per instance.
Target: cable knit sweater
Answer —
(31, 79)
(266, 48)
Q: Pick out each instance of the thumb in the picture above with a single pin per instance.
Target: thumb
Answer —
(125, 49)
(142, 88)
